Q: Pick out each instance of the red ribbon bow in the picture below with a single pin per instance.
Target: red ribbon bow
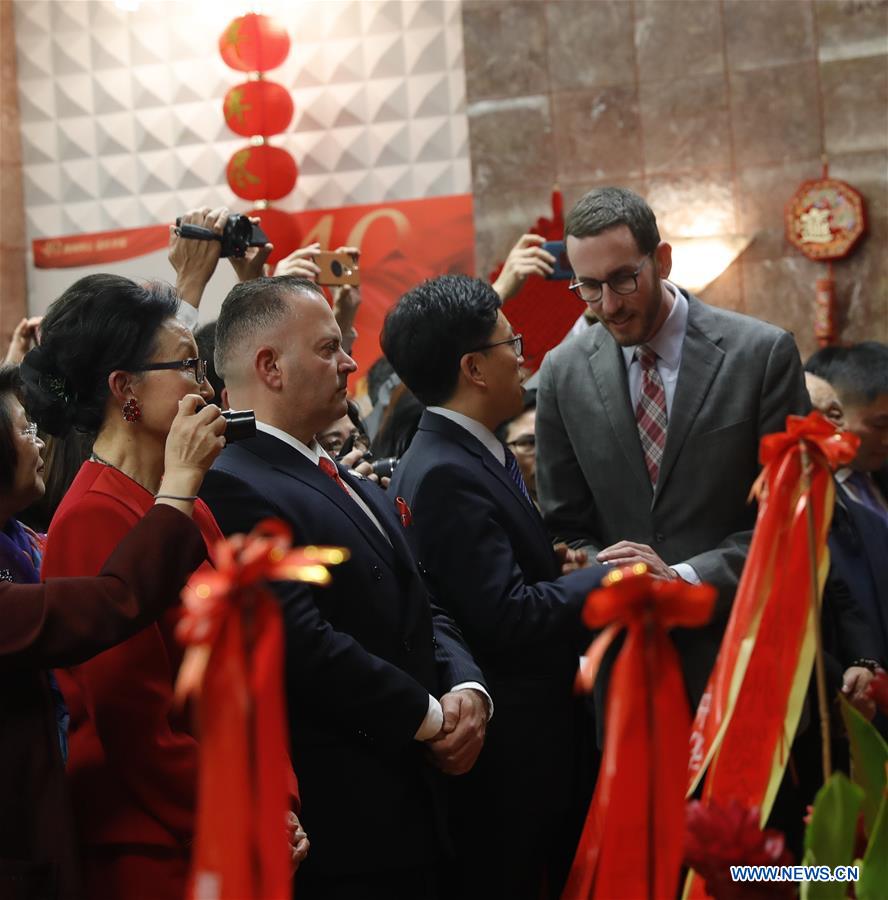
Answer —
(234, 666)
(639, 790)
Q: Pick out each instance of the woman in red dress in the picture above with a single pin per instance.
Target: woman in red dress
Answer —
(114, 361)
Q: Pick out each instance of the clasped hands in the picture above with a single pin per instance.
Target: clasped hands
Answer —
(457, 745)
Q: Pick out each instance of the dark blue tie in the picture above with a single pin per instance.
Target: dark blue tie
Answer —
(515, 474)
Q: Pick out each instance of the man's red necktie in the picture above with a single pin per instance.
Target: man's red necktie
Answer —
(328, 467)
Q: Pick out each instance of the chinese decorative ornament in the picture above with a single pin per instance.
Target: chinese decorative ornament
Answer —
(825, 219)
(257, 109)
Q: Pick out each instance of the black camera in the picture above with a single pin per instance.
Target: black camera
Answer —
(384, 468)
(239, 234)
(241, 424)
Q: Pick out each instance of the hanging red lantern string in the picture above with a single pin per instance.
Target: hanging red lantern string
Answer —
(256, 109)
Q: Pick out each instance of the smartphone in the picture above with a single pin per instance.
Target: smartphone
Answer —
(562, 270)
(337, 268)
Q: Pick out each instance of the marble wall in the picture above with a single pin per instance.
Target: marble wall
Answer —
(715, 110)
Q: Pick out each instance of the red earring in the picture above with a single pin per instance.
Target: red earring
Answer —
(131, 410)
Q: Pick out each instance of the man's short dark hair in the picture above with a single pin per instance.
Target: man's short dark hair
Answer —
(859, 374)
(432, 326)
(251, 305)
(610, 207)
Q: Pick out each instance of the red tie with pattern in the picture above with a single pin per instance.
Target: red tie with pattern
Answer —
(651, 412)
(328, 467)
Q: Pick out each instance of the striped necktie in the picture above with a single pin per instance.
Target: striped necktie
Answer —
(650, 414)
(514, 471)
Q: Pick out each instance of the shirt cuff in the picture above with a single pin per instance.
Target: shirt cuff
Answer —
(188, 315)
(474, 686)
(686, 572)
(432, 723)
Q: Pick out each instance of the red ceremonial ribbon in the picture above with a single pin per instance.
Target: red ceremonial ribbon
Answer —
(234, 666)
(750, 708)
(633, 840)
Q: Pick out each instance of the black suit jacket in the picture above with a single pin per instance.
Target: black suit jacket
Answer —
(362, 656)
(858, 546)
(490, 562)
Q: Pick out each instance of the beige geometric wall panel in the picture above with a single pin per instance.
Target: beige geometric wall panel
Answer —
(122, 120)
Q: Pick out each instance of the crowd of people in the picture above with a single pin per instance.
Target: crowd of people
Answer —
(438, 746)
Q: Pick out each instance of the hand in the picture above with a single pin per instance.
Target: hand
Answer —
(570, 559)
(194, 441)
(196, 260)
(252, 264)
(298, 841)
(461, 738)
(627, 553)
(301, 262)
(527, 257)
(347, 297)
(354, 459)
(855, 682)
(23, 339)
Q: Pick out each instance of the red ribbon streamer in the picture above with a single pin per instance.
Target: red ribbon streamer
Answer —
(738, 735)
(234, 666)
(633, 840)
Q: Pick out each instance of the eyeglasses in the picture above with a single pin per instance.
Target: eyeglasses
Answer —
(30, 432)
(590, 291)
(526, 443)
(198, 365)
(517, 340)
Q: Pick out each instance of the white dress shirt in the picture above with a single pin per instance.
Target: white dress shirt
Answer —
(434, 717)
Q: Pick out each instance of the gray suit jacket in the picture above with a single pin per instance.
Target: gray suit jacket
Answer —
(739, 379)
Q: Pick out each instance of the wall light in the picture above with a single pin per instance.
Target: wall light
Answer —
(698, 261)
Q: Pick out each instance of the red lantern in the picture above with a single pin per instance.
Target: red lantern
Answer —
(254, 43)
(258, 107)
(262, 173)
(282, 231)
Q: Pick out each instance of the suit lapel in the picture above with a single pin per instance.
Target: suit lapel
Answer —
(701, 358)
(447, 430)
(290, 462)
(609, 374)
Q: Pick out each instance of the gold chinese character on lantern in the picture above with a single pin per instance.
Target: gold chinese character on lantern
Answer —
(814, 226)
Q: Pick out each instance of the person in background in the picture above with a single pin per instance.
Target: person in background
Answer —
(64, 622)
(859, 376)
(114, 361)
(205, 338)
(519, 435)
(853, 381)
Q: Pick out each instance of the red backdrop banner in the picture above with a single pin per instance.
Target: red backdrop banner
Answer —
(401, 244)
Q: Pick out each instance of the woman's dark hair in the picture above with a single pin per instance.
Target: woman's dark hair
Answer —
(9, 388)
(99, 324)
(399, 424)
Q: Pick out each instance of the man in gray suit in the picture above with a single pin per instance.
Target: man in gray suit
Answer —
(648, 424)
